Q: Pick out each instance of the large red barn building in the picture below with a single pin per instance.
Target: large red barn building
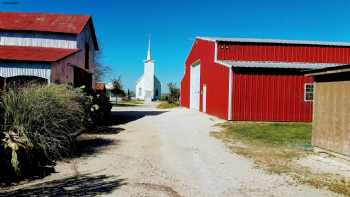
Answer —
(256, 79)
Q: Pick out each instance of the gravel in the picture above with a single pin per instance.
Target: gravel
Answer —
(171, 153)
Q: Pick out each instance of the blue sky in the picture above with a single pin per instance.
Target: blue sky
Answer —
(123, 26)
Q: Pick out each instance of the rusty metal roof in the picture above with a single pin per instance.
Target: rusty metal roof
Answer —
(46, 22)
(43, 22)
(37, 54)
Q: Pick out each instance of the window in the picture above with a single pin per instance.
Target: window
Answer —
(308, 92)
(140, 91)
(87, 56)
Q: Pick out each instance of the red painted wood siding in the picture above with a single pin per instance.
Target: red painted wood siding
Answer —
(270, 97)
(288, 53)
(215, 76)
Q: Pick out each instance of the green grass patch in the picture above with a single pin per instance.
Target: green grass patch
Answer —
(166, 105)
(275, 147)
(271, 133)
(130, 103)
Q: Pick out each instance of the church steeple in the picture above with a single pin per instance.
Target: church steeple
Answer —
(149, 57)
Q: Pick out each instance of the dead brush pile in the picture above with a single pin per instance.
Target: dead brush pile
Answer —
(38, 125)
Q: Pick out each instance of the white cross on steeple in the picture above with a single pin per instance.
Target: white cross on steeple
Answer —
(149, 58)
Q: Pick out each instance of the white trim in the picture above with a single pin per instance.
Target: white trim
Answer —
(216, 57)
(194, 101)
(230, 80)
(306, 84)
(276, 64)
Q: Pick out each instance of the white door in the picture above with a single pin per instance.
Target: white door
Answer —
(195, 86)
(204, 103)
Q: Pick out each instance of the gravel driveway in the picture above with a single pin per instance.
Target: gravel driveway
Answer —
(151, 152)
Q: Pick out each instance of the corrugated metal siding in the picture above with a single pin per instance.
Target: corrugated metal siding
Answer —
(185, 88)
(9, 69)
(38, 40)
(288, 53)
(270, 97)
(215, 77)
(86, 37)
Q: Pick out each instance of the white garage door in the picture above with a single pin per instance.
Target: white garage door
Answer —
(195, 86)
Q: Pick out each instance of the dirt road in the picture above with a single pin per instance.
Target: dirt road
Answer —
(150, 152)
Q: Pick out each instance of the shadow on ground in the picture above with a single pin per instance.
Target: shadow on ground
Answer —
(82, 185)
(8, 180)
(105, 130)
(90, 146)
(123, 117)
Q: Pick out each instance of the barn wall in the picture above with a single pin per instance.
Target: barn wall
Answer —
(331, 126)
(86, 37)
(62, 72)
(11, 69)
(270, 96)
(215, 76)
(38, 40)
(193, 56)
(279, 52)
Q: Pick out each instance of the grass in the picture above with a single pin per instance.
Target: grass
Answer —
(40, 125)
(166, 105)
(271, 133)
(275, 147)
(129, 103)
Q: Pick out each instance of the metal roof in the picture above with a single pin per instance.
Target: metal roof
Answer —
(274, 41)
(46, 22)
(268, 64)
(329, 70)
(37, 54)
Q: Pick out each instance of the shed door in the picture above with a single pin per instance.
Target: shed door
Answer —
(195, 87)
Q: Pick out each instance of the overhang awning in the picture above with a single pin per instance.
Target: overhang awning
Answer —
(271, 64)
(34, 54)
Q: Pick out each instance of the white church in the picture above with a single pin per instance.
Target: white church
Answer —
(148, 86)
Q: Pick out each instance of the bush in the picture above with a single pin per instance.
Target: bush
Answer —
(100, 109)
(174, 93)
(40, 124)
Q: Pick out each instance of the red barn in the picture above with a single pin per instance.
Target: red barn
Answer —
(256, 79)
(47, 47)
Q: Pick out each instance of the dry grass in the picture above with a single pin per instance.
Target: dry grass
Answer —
(166, 105)
(275, 147)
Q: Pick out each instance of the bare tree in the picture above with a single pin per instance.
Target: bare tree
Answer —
(118, 87)
(174, 93)
(101, 70)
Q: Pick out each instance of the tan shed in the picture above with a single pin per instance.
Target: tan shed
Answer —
(331, 113)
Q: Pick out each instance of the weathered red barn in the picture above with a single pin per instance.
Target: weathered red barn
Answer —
(51, 48)
(256, 79)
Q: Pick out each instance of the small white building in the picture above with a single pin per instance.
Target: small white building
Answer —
(148, 86)
(109, 88)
